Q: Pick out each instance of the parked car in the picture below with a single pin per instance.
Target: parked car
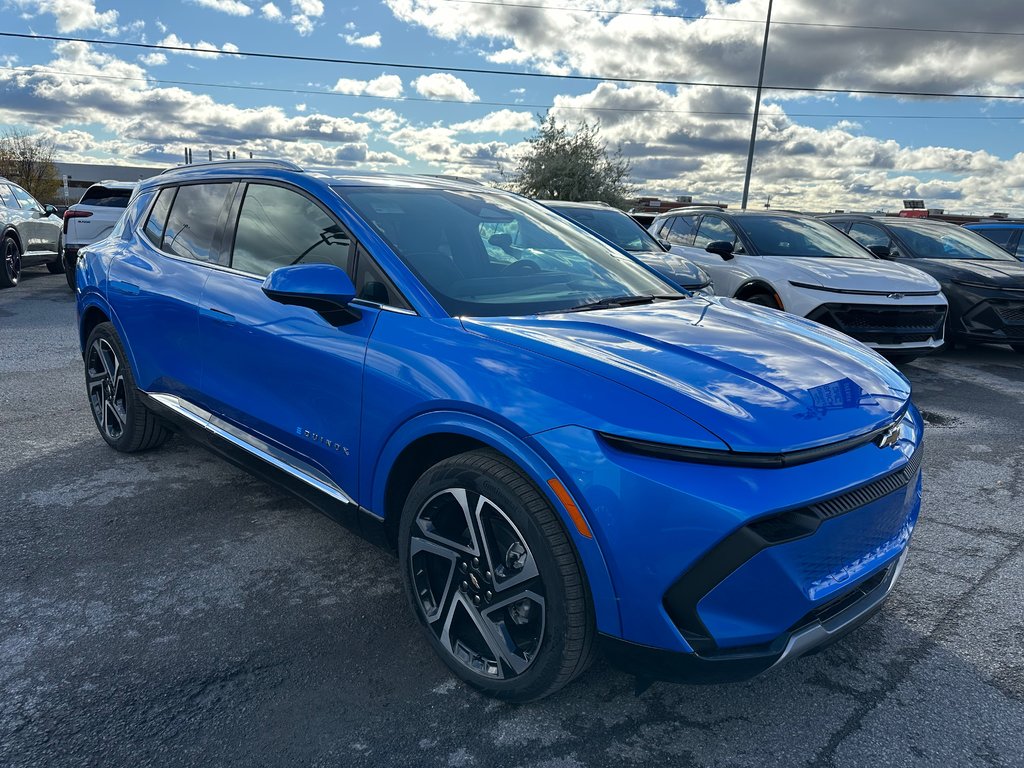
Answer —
(984, 284)
(798, 264)
(565, 451)
(1005, 234)
(92, 218)
(31, 234)
(621, 230)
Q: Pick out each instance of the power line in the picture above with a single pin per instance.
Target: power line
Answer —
(519, 105)
(686, 17)
(519, 74)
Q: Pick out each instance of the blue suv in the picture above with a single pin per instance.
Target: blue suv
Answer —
(566, 452)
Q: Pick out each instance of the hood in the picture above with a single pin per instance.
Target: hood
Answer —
(869, 275)
(998, 274)
(760, 380)
(675, 268)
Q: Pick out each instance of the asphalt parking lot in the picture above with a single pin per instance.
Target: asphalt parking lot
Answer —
(167, 609)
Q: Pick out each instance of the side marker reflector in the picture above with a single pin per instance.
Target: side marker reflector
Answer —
(570, 507)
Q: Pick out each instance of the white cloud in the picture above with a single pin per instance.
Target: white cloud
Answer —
(502, 121)
(387, 86)
(232, 7)
(153, 59)
(365, 41)
(442, 85)
(271, 12)
(304, 15)
(71, 15)
(300, 107)
(202, 49)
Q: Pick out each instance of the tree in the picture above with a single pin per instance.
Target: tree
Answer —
(572, 166)
(29, 162)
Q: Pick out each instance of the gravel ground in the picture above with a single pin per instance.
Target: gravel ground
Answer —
(167, 609)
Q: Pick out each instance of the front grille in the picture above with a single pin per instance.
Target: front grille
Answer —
(1011, 314)
(883, 324)
(864, 495)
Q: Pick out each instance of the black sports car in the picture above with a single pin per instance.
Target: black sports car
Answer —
(983, 283)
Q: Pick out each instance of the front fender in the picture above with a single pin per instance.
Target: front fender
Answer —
(534, 460)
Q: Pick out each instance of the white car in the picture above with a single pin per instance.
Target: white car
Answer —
(92, 218)
(802, 265)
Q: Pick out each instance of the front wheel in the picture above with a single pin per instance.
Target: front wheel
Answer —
(763, 300)
(493, 578)
(120, 415)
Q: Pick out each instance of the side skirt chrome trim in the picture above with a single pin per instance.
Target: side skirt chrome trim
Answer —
(253, 445)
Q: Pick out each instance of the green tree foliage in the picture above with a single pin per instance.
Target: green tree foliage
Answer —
(28, 161)
(571, 165)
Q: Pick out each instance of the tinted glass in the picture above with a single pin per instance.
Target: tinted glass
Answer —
(106, 198)
(682, 231)
(945, 241)
(27, 201)
(192, 223)
(131, 215)
(278, 227)
(373, 285)
(713, 229)
(616, 226)
(868, 234)
(999, 236)
(157, 220)
(7, 197)
(490, 254)
(781, 236)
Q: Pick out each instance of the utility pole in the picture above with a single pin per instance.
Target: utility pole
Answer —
(757, 108)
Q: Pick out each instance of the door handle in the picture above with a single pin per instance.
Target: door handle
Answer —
(122, 287)
(218, 315)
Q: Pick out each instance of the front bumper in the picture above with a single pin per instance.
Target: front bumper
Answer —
(729, 570)
(987, 315)
(885, 326)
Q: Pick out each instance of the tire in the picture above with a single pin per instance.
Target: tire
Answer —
(763, 300)
(56, 267)
(70, 268)
(10, 262)
(533, 631)
(120, 415)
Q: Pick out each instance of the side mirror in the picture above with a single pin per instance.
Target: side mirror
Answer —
(882, 251)
(324, 288)
(665, 244)
(721, 248)
(50, 210)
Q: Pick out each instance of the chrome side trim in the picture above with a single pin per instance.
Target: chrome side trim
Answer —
(385, 307)
(251, 444)
(816, 634)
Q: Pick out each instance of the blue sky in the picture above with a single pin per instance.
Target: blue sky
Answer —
(816, 151)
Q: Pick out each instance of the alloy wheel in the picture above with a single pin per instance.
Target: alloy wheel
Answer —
(107, 388)
(12, 260)
(477, 583)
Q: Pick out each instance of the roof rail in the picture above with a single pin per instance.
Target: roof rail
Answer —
(287, 165)
(450, 177)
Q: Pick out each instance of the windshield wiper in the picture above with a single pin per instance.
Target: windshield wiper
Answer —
(623, 301)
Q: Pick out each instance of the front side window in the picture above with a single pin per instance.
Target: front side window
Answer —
(278, 227)
(536, 261)
(27, 201)
(7, 197)
(613, 225)
(714, 230)
(869, 234)
(1001, 236)
(803, 237)
(683, 230)
(192, 225)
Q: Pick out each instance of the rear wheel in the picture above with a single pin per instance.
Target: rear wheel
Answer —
(70, 263)
(120, 415)
(493, 578)
(10, 268)
(56, 267)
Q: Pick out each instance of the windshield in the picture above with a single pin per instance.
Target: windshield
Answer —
(613, 225)
(487, 254)
(778, 236)
(944, 241)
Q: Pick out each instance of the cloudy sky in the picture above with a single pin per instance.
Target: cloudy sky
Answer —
(826, 149)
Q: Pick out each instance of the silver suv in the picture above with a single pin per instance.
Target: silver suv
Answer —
(92, 218)
(31, 234)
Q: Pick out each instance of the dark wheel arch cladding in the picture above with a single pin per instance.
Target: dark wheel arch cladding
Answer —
(754, 288)
(93, 316)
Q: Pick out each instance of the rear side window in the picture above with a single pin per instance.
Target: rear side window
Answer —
(157, 220)
(106, 198)
(7, 197)
(192, 225)
(278, 227)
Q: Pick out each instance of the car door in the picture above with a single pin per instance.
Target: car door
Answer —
(154, 286)
(868, 235)
(39, 230)
(285, 375)
(727, 274)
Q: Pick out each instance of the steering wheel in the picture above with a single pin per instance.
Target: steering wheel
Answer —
(523, 266)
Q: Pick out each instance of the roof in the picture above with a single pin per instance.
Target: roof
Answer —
(572, 204)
